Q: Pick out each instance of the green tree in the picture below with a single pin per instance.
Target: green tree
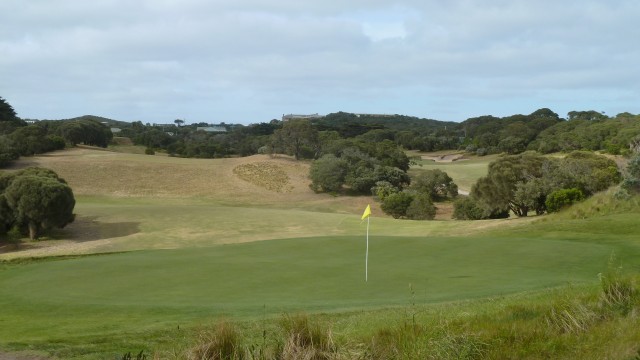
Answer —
(421, 208)
(496, 190)
(9, 120)
(297, 135)
(37, 200)
(327, 174)
(631, 181)
(8, 151)
(588, 172)
(382, 189)
(436, 184)
(589, 115)
(87, 131)
(6, 111)
(397, 204)
(532, 194)
(33, 139)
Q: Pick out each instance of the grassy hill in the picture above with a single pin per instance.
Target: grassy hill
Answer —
(184, 243)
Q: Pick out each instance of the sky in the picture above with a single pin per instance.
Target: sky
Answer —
(250, 61)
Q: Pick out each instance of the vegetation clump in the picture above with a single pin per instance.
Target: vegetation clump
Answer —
(34, 201)
(522, 183)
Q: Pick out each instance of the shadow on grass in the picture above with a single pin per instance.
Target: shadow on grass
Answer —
(87, 228)
(83, 229)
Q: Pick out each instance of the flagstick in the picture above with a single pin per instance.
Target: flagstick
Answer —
(366, 257)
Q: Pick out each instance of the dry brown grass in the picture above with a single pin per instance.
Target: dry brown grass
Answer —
(238, 181)
(264, 174)
(105, 173)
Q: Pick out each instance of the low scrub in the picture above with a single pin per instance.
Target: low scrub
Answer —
(564, 323)
(221, 343)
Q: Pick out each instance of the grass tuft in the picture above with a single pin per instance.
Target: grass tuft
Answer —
(222, 343)
(619, 291)
(569, 316)
(306, 340)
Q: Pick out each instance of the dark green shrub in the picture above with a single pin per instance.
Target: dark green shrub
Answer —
(327, 174)
(465, 208)
(397, 204)
(563, 198)
(421, 208)
(149, 151)
(383, 189)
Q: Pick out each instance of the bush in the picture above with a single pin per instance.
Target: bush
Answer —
(631, 181)
(563, 198)
(35, 199)
(149, 151)
(421, 208)
(383, 189)
(397, 204)
(327, 174)
(465, 208)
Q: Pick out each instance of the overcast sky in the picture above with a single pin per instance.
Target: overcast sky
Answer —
(248, 61)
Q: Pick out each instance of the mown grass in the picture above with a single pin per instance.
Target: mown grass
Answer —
(74, 299)
(463, 172)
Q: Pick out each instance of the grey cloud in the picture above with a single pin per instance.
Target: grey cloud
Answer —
(134, 55)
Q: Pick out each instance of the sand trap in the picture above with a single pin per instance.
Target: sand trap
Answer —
(445, 157)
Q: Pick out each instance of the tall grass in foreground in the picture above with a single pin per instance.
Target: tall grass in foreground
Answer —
(568, 323)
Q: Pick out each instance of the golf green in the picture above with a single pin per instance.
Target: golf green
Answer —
(310, 274)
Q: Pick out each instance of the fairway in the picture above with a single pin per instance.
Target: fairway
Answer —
(254, 279)
(463, 172)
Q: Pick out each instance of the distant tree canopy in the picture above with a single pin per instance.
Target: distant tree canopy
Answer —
(34, 201)
(358, 166)
(17, 138)
(296, 137)
(88, 132)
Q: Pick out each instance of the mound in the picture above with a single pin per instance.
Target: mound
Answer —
(230, 180)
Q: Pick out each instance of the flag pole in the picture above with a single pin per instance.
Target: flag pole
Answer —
(366, 257)
(366, 214)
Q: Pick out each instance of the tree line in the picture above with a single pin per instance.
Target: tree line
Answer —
(365, 154)
(18, 138)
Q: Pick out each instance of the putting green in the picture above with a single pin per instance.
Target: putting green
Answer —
(310, 274)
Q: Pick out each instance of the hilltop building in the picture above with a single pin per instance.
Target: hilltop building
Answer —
(300, 116)
(212, 129)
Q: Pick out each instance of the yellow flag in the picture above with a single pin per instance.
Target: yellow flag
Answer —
(367, 212)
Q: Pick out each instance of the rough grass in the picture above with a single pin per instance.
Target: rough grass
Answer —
(267, 175)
